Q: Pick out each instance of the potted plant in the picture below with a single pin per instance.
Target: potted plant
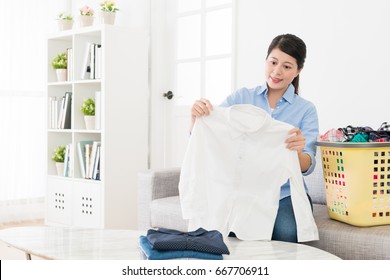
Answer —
(60, 63)
(88, 109)
(86, 16)
(65, 21)
(107, 12)
(59, 157)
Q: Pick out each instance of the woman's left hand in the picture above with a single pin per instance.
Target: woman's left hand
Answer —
(295, 140)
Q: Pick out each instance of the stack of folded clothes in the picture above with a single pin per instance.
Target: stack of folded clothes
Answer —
(163, 244)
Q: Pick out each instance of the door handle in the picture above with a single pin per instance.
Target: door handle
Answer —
(168, 95)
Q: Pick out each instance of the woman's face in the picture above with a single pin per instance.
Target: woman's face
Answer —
(280, 69)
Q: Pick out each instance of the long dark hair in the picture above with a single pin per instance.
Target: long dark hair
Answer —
(293, 46)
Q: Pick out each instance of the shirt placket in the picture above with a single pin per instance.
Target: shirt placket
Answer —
(187, 240)
(241, 158)
(278, 107)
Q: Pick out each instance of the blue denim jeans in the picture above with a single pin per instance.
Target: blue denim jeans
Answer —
(285, 228)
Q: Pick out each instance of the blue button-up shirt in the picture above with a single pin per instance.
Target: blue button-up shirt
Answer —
(292, 109)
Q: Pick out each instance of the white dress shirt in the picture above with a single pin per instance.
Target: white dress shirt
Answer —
(235, 163)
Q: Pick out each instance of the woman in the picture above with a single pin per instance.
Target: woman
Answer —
(279, 97)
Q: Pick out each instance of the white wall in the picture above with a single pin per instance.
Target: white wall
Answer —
(347, 66)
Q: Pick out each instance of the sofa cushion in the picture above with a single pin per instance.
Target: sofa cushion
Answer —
(166, 212)
(350, 242)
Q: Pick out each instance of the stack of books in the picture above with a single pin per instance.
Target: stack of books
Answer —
(89, 159)
(92, 65)
(60, 111)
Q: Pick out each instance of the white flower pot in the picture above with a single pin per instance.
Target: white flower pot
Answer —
(61, 75)
(89, 122)
(85, 21)
(107, 17)
(64, 24)
(60, 168)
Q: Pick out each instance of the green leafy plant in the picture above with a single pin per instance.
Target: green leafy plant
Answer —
(65, 16)
(60, 61)
(108, 6)
(88, 107)
(59, 154)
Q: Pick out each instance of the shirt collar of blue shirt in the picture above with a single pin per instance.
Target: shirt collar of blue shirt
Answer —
(288, 95)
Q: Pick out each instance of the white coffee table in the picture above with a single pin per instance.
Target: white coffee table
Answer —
(63, 243)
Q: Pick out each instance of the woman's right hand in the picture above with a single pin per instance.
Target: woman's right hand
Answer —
(201, 107)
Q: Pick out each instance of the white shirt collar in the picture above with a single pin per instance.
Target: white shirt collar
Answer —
(246, 119)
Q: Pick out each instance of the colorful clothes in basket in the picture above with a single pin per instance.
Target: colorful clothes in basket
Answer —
(357, 134)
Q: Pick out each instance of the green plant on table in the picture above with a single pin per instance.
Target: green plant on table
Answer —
(88, 107)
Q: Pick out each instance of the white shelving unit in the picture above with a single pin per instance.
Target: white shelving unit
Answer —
(111, 201)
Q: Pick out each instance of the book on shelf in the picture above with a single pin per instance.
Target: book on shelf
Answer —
(93, 158)
(61, 112)
(98, 61)
(68, 170)
(86, 61)
(54, 111)
(88, 152)
(70, 160)
(50, 104)
(69, 69)
(66, 118)
(50, 113)
(92, 61)
(96, 168)
(66, 161)
(81, 155)
(97, 175)
(55, 105)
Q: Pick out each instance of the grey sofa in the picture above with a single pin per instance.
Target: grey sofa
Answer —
(159, 206)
